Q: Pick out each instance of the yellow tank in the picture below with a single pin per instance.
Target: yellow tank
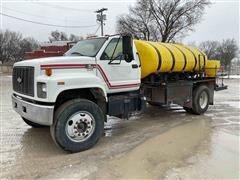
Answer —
(212, 67)
(167, 57)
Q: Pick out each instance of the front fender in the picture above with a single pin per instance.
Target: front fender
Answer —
(70, 82)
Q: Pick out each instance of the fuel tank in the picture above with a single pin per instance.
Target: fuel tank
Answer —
(158, 57)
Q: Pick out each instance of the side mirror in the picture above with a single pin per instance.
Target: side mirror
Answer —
(127, 48)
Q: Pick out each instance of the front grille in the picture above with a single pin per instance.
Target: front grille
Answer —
(23, 80)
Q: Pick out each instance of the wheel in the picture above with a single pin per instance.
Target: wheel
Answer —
(201, 96)
(78, 125)
(34, 125)
(154, 103)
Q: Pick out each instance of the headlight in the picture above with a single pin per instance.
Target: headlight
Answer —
(41, 90)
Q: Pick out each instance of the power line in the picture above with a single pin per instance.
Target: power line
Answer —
(46, 24)
(64, 8)
(97, 30)
(38, 16)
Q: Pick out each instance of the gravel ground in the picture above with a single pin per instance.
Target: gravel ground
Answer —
(161, 143)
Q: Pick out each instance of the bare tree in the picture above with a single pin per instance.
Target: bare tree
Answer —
(138, 22)
(62, 36)
(55, 36)
(75, 38)
(27, 45)
(9, 46)
(58, 36)
(162, 20)
(175, 18)
(13, 46)
(227, 51)
(211, 49)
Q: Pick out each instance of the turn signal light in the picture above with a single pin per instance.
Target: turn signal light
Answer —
(48, 71)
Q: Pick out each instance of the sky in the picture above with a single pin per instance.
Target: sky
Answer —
(220, 20)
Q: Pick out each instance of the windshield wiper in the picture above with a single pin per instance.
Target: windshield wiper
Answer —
(77, 53)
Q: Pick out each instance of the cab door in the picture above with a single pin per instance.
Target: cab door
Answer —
(117, 74)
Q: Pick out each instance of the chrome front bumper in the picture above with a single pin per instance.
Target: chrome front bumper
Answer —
(39, 114)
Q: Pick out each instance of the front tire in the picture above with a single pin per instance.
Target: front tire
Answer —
(34, 125)
(201, 96)
(78, 125)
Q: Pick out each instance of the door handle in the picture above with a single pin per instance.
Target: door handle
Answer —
(134, 66)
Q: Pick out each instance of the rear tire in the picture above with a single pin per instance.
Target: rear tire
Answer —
(201, 96)
(78, 125)
(34, 125)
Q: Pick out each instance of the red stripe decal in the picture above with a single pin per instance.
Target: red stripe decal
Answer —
(56, 66)
(62, 65)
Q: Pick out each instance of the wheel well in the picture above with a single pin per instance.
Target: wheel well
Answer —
(95, 95)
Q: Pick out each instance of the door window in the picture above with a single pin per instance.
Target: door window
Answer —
(113, 50)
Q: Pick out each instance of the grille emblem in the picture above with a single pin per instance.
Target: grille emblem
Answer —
(19, 80)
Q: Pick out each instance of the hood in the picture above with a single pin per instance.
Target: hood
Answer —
(57, 60)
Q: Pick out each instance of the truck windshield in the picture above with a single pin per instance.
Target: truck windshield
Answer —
(88, 47)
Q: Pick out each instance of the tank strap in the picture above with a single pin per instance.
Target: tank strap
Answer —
(185, 58)
(159, 56)
(204, 59)
(173, 57)
(195, 58)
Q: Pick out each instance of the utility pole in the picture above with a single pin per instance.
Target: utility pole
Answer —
(101, 18)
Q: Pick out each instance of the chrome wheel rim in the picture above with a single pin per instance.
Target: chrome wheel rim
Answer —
(203, 101)
(80, 126)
